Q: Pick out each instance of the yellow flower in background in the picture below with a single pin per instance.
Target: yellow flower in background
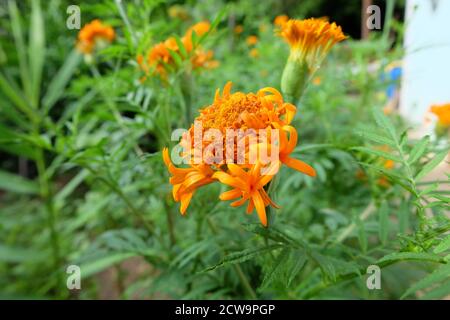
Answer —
(442, 112)
(254, 53)
(238, 29)
(280, 20)
(94, 35)
(159, 58)
(260, 113)
(252, 40)
(179, 12)
(317, 81)
(310, 40)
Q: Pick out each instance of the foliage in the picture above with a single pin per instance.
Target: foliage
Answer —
(95, 192)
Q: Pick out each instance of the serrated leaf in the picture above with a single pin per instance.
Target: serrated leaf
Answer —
(375, 137)
(242, 256)
(325, 265)
(418, 150)
(300, 259)
(385, 123)
(275, 270)
(432, 164)
(419, 256)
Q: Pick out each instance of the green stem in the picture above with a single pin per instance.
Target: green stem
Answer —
(237, 267)
(47, 196)
(112, 106)
(127, 201)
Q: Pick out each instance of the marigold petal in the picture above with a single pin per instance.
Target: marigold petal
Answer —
(260, 208)
(300, 166)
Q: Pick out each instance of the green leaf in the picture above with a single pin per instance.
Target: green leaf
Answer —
(276, 269)
(418, 150)
(20, 46)
(36, 50)
(16, 96)
(92, 267)
(379, 153)
(438, 292)
(385, 123)
(183, 52)
(383, 216)
(15, 143)
(443, 245)
(176, 57)
(21, 255)
(242, 256)
(59, 82)
(419, 256)
(300, 259)
(375, 137)
(325, 265)
(14, 183)
(438, 276)
(432, 164)
(362, 236)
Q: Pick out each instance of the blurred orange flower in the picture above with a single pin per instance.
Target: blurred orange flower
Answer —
(94, 34)
(252, 40)
(254, 53)
(238, 29)
(443, 114)
(280, 20)
(160, 57)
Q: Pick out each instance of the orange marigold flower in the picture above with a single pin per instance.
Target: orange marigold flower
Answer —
(443, 114)
(280, 20)
(311, 39)
(252, 40)
(159, 57)
(186, 180)
(94, 34)
(254, 53)
(248, 185)
(238, 29)
(264, 113)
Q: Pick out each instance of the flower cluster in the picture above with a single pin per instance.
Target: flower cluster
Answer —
(160, 58)
(94, 35)
(267, 116)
